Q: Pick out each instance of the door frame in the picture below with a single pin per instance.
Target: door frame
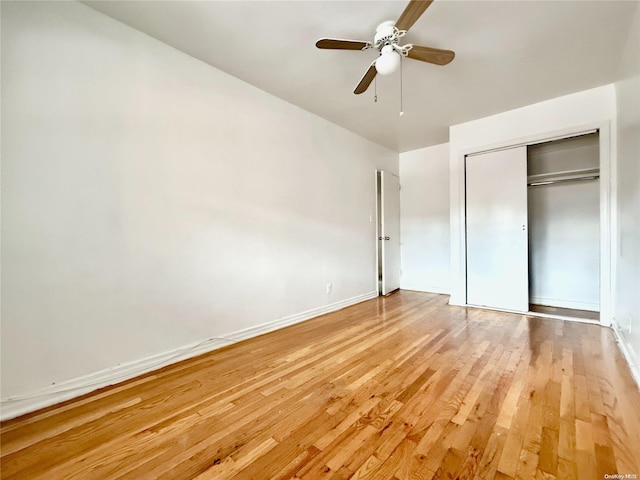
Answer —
(608, 218)
(377, 193)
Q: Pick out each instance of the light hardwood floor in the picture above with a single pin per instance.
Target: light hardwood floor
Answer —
(403, 387)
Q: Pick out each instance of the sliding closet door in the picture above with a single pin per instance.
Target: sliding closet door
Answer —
(496, 208)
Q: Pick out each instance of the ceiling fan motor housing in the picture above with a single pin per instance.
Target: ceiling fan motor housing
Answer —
(386, 34)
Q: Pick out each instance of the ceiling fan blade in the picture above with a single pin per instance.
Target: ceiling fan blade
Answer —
(412, 13)
(336, 44)
(366, 80)
(431, 55)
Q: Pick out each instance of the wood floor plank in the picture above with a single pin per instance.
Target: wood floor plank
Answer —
(549, 452)
(404, 387)
(567, 440)
(527, 465)
(585, 451)
(488, 466)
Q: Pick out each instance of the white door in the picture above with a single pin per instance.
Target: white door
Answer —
(496, 207)
(390, 232)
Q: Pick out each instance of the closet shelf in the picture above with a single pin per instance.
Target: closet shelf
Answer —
(564, 175)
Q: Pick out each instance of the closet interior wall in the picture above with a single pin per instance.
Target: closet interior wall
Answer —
(563, 201)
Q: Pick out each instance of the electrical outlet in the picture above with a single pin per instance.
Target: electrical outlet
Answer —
(329, 287)
(629, 324)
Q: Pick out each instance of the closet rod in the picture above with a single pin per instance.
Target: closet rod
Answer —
(561, 180)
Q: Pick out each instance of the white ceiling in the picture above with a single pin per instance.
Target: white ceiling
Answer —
(508, 54)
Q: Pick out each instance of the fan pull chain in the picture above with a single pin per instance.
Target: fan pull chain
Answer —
(375, 89)
(401, 109)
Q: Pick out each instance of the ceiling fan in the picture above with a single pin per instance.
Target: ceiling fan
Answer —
(387, 42)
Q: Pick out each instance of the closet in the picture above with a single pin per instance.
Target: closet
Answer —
(533, 228)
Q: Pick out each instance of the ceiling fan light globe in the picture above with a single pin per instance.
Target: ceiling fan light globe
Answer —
(388, 62)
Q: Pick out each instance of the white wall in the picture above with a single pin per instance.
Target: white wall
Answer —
(151, 202)
(627, 305)
(424, 219)
(564, 114)
(564, 245)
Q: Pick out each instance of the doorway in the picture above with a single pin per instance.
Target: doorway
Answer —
(387, 232)
(563, 199)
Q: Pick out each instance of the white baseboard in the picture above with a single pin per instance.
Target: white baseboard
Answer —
(626, 353)
(555, 302)
(298, 317)
(29, 402)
